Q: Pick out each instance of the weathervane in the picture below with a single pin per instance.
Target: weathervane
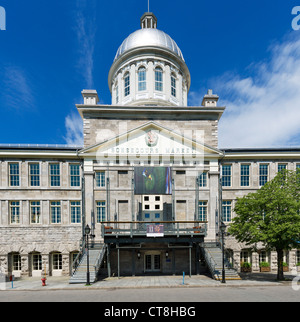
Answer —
(148, 5)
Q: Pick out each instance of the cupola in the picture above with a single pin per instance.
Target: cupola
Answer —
(148, 20)
(149, 69)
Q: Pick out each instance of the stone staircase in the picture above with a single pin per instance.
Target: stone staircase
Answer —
(213, 257)
(96, 256)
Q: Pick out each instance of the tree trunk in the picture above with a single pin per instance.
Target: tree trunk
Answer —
(280, 275)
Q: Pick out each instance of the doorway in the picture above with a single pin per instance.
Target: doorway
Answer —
(152, 262)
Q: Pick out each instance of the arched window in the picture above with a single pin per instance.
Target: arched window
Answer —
(173, 85)
(142, 79)
(158, 79)
(127, 84)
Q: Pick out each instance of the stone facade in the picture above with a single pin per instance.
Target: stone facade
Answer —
(105, 122)
(48, 194)
(23, 236)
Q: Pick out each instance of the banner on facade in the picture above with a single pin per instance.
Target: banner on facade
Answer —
(155, 230)
(152, 181)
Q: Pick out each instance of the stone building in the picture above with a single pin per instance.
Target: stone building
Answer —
(150, 180)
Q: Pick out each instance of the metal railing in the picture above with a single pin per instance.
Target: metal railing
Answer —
(78, 258)
(100, 259)
(141, 228)
(209, 261)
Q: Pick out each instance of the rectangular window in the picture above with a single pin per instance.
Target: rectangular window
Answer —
(203, 180)
(298, 167)
(16, 262)
(14, 174)
(245, 175)
(202, 211)
(101, 212)
(34, 174)
(54, 174)
(35, 212)
(57, 261)
(55, 212)
(173, 86)
(263, 256)
(298, 256)
(263, 174)
(75, 212)
(75, 175)
(158, 79)
(142, 79)
(100, 179)
(281, 167)
(226, 210)
(37, 262)
(245, 256)
(14, 212)
(226, 175)
(127, 85)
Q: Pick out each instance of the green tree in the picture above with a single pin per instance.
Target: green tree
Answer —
(271, 216)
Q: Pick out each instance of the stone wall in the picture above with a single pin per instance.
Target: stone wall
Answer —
(97, 130)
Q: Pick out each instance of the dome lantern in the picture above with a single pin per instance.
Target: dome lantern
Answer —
(148, 20)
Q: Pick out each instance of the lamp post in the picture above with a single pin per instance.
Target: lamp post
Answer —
(222, 229)
(87, 231)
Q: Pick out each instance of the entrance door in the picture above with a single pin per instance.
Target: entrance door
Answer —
(152, 262)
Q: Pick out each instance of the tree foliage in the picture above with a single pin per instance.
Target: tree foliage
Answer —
(270, 215)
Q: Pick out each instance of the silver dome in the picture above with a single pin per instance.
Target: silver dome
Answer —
(149, 37)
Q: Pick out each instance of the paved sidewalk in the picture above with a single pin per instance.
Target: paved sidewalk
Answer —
(60, 283)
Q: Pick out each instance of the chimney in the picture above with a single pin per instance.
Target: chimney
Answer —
(90, 97)
(210, 99)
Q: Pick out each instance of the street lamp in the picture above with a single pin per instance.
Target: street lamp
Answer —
(87, 231)
(223, 229)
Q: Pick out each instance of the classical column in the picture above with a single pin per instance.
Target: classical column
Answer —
(213, 204)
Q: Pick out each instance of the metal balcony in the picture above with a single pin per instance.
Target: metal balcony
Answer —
(154, 229)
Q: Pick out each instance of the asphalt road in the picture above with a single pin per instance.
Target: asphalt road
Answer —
(161, 295)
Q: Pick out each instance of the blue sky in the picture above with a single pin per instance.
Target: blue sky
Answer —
(246, 51)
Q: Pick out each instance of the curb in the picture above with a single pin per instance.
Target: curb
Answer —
(105, 288)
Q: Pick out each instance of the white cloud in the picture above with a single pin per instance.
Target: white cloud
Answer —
(85, 29)
(74, 129)
(17, 91)
(263, 110)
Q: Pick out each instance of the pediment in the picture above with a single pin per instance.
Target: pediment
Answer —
(152, 139)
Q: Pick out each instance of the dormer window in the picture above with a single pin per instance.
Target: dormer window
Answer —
(142, 79)
(158, 79)
(173, 85)
(126, 84)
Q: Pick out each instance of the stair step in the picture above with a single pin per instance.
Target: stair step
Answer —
(214, 254)
(79, 277)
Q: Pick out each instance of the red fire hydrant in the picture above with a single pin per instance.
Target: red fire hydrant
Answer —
(44, 281)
